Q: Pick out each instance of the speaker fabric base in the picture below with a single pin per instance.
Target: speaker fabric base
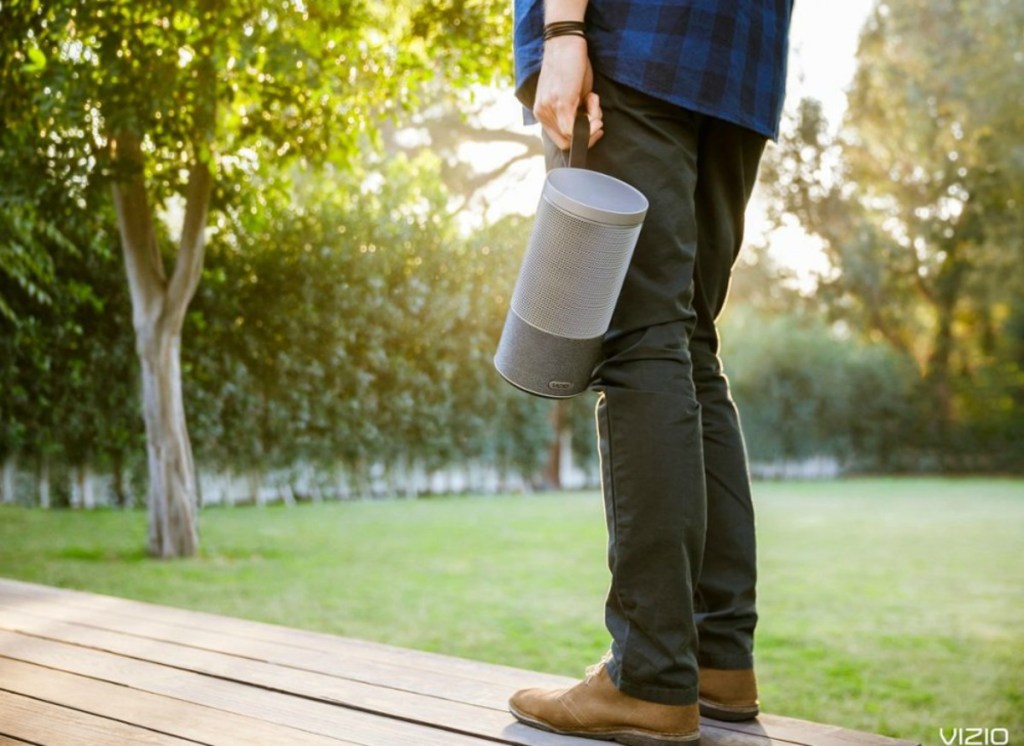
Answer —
(545, 364)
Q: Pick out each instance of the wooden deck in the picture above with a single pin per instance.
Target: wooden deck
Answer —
(79, 668)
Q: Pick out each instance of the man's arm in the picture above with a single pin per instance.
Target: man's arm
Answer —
(566, 78)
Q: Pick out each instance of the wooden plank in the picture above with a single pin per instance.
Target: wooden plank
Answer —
(429, 675)
(464, 691)
(228, 696)
(44, 723)
(397, 703)
(332, 654)
(189, 720)
(111, 611)
(463, 719)
(793, 731)
(339, 662)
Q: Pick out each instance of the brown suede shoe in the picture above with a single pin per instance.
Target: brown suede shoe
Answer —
(594, 708)
(728, 695)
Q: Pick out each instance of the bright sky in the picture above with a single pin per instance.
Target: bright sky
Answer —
(823, 45)
(823, 42)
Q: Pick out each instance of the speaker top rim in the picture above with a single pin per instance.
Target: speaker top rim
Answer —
(595, 196)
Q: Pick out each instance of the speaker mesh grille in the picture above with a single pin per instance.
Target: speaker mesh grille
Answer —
(572, 273)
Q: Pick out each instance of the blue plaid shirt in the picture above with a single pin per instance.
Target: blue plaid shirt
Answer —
(726, 58)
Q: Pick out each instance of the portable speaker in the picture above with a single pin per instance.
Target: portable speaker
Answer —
(583, 238)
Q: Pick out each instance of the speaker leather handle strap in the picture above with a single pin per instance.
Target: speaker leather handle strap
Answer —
(580, 140)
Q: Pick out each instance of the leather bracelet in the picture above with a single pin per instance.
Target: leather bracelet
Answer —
(565, 28)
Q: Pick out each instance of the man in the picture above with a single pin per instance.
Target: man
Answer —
(681, 96)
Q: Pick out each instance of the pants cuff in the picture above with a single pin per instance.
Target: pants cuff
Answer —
(726, 662)
(661, 695)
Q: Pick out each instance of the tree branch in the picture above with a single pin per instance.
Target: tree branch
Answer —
(481, 180)
(144, 266)
(188, 268)
(450, 130)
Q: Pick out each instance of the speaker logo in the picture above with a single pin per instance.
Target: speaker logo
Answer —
(560, 385)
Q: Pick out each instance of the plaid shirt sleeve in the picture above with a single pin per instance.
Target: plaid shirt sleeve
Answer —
(724, 58)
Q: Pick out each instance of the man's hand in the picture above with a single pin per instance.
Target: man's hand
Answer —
(566, 79)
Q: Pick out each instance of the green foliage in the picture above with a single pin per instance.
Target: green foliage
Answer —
(230, 81)
(68, 380)
(350, 322)
(342, 321)
(24, 266)
(805, 390)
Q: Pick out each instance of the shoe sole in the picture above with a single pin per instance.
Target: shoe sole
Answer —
(626, 737)
(727, 713)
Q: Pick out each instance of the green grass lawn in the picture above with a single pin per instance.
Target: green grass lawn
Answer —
(894, 606)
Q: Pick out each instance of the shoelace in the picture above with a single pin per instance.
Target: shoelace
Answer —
(593, 670)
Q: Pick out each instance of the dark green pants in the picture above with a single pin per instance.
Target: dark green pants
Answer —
(681, 543)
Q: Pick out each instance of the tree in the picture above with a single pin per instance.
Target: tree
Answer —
(172, 104)
(918, 198)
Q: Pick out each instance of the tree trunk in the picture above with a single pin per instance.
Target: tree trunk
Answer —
(553, 469)
(173, 530)
(44, 482)
(159, 304)
(254, 483)
(82, 494)
(7, 482)
(939, 370)
(120, 489)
